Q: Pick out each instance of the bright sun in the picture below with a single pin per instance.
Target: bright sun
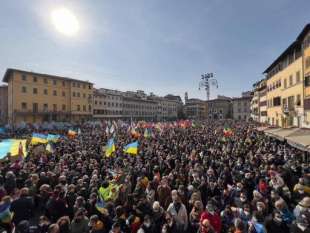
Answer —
(65, 21)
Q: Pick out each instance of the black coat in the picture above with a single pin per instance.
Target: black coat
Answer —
(22, 208)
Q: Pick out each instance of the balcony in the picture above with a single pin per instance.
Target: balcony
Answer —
(40, 112)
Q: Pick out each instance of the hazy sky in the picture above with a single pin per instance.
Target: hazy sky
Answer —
(160, 46)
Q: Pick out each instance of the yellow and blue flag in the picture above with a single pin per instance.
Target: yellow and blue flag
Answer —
(100, 206)
(38, 138)
(6, 215)
(53, 137)
(12, 146)
(110, 148)
(131, 148)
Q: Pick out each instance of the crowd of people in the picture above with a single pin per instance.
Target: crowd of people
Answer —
(184, 179)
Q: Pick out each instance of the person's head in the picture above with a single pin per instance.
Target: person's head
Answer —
(79, 215)
(280, 204)
(64, 224)
(304, 204)
(277, 217)
(198, 205)
(303, 219)
(53, 228)
(116, 228)
(174, 195)
(169, 218)
(210, 207)
(119, 211)
(156, 207)
(239, 225)
(23, 227)
(147, 221)
(24, 192)
(93, 220)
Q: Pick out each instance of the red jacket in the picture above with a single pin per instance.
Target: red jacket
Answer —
(215, 220)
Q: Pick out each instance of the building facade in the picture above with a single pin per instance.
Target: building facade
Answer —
(37, 98)
(262, 91)
(129, 105)
(108, 104)
(241, 108)
(305, 37)
(255, 114)
(194, 108)
(285, 88)
(3, 105)
(220, 108)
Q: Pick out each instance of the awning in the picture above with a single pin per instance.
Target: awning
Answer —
(281, 133)
(300, 139)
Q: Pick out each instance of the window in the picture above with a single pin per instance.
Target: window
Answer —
(78, 85)
(73, 84)
(298, 100)
(96, 102)
(54, 107)
(24, 77)
(291, 80)
(78, 107)
(284, 103)
(63, 94)
(84, 108)
(45, 91)
(35, 79)
(73, 94)
(45, 81)
(55, 93)
(35, 107)
(63, 107)
(307, 65)
(297, 76)
(78, 94)
(63, 83)
(35, 91)
(89, 108)
(285, 83)
(24, 90)
(45, 107)
(24, 106)
(307, 81)
(54, 82)
(277, 101)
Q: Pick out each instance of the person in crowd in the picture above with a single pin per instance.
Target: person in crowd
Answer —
(247, 181)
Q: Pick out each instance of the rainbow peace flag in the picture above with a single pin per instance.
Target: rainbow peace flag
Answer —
(12, 146)
(6, 215)
(38, 138)
(110, 148)
(227, 132)
(131, 148)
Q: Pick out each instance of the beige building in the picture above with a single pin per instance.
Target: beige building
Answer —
(37, 98)
(259, 102)
(241, 108)
(305, 38)
(194, 108)
(108, 104)
(220, 108)
(3, 104)
(285, 88)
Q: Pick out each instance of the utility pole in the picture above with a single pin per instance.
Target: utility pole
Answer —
(207, 80)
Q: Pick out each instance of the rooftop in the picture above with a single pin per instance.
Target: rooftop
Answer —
(9, 71)
(291, 47)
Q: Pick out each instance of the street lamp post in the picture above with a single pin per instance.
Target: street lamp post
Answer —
(207, 80)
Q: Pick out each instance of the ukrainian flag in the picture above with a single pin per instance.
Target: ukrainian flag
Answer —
(53, 137)
(6, 215)
(110, 148)
(131, 148)
(38, 138)
(100, 205)
(12, 146)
